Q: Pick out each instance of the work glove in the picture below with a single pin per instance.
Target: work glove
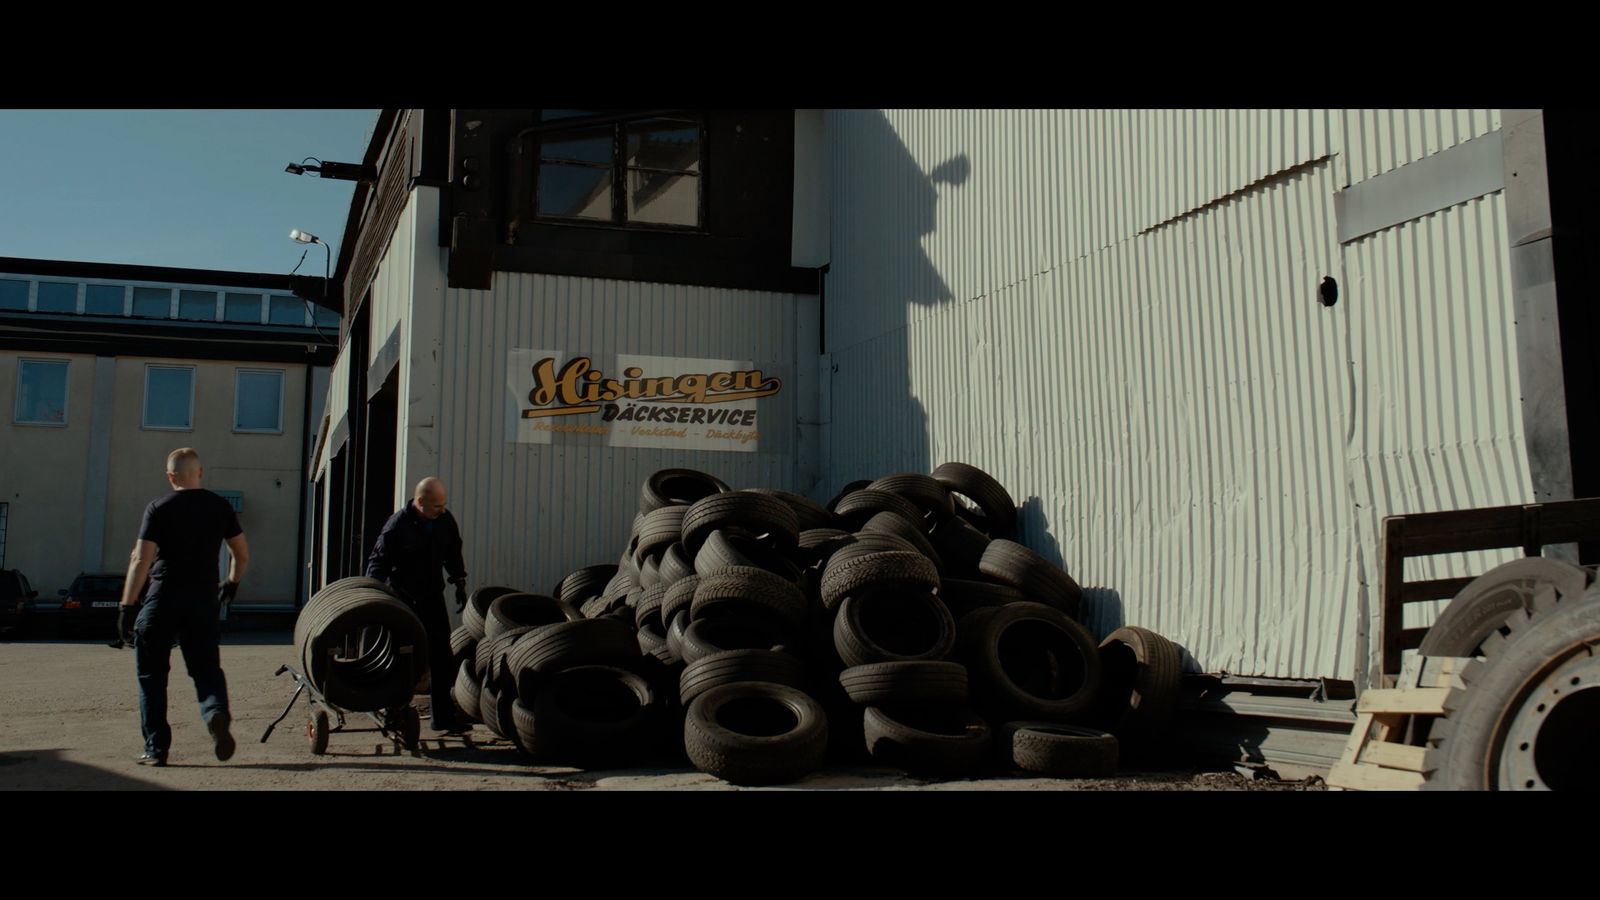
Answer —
(461, 597)
(126, 616)
(225, 595)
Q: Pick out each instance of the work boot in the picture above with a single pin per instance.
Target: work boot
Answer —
(151, 759)
(218, 726)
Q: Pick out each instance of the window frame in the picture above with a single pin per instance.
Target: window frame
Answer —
(237, 381)
(144, 412)
(620, 171)
(66, 393)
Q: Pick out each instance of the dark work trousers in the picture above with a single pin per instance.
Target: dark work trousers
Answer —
(191, 619)
(429, 607)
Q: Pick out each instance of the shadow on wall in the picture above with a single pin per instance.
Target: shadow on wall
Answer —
(1102, 606)
(894, 207)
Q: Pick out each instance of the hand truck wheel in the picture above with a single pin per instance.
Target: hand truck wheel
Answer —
(317, 732)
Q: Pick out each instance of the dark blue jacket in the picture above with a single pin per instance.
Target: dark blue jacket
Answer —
(409, 557)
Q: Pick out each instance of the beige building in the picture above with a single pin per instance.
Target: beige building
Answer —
(107, 369)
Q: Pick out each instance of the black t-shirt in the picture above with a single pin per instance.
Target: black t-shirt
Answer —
(188, 528)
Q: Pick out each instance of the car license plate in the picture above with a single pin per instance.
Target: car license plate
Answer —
(102, 604)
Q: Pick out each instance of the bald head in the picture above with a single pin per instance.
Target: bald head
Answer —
(430, 497)
(183, 468)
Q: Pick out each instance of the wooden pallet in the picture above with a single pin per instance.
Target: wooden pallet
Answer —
(1377, 757)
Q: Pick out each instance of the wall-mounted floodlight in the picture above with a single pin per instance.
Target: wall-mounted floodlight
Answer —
(341, 171)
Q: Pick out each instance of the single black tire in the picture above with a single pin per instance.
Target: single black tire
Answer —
(677, 487)
(1036, 577)
(678, 597)
(817, 544)
(862, 505)
(999, 513)
(1526, 719)
(650, 573)
(675, 565)
(594, 716)
(726, 549)
(512, 610)
(756, 733)
(707, 636)
(472, 615)
(847, 490)
(908, 531)
(466, 691)
(1030, 661)
(927, 740)
(961, 547)
(677, 627)
(648, 610)
(923, 681)
(963, 596)
(808, 514)
(621, 583)
(736, 666)
(1141, 674)
(658, 531)
(589, 581)
(926, 493)
(317, 730)
(758, 515)
(525, 726)
(1482, 607)
(743, 588)
(1059, 751)
(604, 641)
(866, 543)
(893, 625)
(490, 662)
(463, 644)
(893, 568)
(492, 703)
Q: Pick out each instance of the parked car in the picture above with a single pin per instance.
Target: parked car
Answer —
(16, 601)
(90, 605)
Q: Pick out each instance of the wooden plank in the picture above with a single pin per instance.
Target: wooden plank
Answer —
(1424, 591)
(1373, 778)
(1411, 638)
(1391, 581)
(1403, 701)
(1488, 528)
(1358, 737)
(1394, 756)
(1443, 671)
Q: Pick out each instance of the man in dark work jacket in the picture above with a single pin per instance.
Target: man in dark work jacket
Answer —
(415, 544)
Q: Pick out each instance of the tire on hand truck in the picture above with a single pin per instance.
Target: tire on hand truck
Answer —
(317, 732)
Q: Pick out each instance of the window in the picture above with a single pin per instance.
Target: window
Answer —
(152, 303)
(169, 397)
(242, 308)
(258, 400)
(13, 294)
(198, 305)
(327, 318)
(644, 172)
(41, 392)
(57, 297)
(104, 299)
(287, 311)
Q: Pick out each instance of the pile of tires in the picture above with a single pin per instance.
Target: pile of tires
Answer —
(760, 634)
(349, 640)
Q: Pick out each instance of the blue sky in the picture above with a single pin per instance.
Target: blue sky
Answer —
(200, 189)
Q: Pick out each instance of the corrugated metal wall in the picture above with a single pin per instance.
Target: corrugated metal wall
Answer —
(390, 295)
(531, 513)
(1115, 314)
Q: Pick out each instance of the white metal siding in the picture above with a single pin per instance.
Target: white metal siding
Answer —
(390, 295)
(1115, 315)
(531, 513)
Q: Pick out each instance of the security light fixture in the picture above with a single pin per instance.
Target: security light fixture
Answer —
(338, 170)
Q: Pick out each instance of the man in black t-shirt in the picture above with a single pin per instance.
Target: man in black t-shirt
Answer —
(178, 544)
